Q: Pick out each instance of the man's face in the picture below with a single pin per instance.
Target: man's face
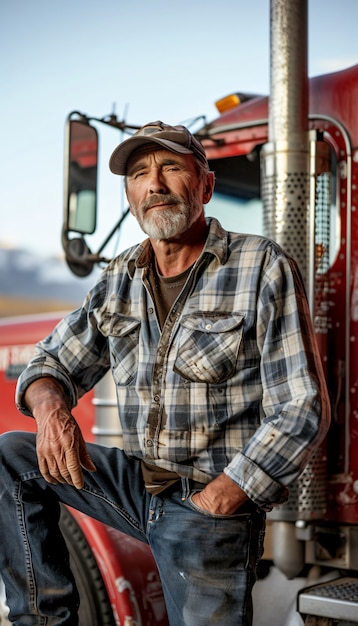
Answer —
(164, 192)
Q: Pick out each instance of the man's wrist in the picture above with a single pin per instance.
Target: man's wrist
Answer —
(45, 394)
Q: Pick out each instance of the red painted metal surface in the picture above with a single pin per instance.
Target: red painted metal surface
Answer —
(18, 337)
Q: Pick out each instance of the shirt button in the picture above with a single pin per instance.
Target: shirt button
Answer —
(208, 326)
(156, 398)
(149, 443)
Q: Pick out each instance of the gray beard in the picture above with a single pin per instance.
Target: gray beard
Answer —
(167, 223)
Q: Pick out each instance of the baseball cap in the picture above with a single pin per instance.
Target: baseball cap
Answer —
(174, 138)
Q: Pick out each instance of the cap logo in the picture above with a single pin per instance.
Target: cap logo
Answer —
(151, 130)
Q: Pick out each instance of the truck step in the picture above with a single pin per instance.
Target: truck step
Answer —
(337, 599)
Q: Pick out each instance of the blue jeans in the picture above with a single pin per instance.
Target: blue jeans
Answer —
(207, 563)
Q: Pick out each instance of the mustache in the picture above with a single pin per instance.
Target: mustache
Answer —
(166, 198)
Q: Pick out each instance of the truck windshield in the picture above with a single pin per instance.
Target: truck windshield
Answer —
(237, 204)
(236, 201)
(237, 214)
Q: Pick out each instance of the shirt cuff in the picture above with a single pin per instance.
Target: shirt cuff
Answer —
(258, 486)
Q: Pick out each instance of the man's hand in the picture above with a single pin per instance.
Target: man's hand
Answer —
(61, 449)
(221, 497)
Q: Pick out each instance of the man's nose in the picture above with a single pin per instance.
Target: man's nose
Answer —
(156, 182)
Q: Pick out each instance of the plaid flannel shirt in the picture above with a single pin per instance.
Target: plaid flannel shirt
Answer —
(232, 383)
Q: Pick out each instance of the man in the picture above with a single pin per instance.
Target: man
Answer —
(221, 399)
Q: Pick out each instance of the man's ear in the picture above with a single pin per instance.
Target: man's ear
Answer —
(209, 187)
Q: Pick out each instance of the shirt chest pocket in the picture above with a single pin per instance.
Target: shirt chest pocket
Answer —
(208, 346)
(123, 339)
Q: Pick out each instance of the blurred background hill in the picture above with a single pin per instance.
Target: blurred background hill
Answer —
(31, 283)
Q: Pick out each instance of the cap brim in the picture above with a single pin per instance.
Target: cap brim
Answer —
(119, 158)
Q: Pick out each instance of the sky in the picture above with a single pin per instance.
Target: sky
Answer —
(142, 59)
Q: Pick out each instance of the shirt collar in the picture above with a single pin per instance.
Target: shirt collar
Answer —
(216, 245)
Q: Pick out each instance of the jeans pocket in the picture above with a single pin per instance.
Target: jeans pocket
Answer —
(202, 511)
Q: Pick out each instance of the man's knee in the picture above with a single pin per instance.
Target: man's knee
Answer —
(17, 445)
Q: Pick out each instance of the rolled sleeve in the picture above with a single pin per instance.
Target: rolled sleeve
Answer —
(258, 486)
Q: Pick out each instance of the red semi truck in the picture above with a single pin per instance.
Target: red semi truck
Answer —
(298, 185)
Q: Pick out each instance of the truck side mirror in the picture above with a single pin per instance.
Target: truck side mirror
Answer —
(80, 193)
(81, 159)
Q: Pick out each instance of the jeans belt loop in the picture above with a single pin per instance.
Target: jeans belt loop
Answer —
(185, 488)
